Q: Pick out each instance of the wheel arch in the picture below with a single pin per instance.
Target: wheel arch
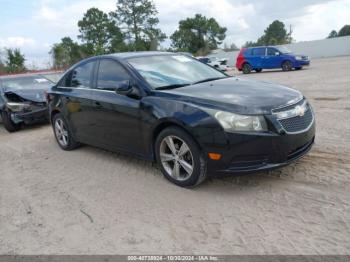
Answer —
(166, 124)
(287, 60)
(53, 113)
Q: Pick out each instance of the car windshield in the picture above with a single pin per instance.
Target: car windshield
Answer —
(284, 50)
(26, 82)
(162, 71)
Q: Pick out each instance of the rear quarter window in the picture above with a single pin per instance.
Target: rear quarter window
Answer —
(248, 51)
(259, 51)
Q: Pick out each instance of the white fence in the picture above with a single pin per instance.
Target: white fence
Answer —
(338, 46)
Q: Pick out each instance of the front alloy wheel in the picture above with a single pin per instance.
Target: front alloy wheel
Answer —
(176, 158)
(179, 157)
(287, 66)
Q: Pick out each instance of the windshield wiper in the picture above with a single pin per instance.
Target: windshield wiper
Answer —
(209, 79)
(171, 86)
(182, 85)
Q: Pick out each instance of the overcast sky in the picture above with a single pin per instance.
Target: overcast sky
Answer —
(34, 25)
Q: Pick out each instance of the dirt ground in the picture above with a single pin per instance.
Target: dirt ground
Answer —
(91, 201)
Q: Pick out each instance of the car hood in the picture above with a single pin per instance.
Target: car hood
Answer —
(34, 95)
(238, 95)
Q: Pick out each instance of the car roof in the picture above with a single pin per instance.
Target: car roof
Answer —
(127, 55)
(261, 46)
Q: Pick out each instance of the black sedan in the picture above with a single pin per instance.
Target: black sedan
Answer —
(190, 118)
(22, 99)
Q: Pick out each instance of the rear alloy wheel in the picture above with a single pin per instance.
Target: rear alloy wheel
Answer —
(9, 125)
(246, 69)
(179, 158)
(287, 66)
(63, 135)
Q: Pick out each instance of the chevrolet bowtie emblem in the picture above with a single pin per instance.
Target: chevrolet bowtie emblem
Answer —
(300, 110)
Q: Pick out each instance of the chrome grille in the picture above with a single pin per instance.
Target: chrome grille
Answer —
(298, 123)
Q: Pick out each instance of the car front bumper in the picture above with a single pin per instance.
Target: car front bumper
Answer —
(246, 153)
(300, 63)
(35, 116)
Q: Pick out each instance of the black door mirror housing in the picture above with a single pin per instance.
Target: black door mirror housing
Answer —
(124, 88)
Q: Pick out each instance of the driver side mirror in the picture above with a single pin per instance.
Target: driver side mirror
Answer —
(126, 88)
(277, 53)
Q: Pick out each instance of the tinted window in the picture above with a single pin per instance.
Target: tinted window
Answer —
(81, 75)
(271, 51)
(65, 80)
(259, 51)
(248, 52)
(110, 73)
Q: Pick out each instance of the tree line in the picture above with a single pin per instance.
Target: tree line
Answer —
(12, 61)
(133, 26)
(344, 31)
(275, 34)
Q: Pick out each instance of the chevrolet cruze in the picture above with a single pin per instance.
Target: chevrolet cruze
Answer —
(190, 118)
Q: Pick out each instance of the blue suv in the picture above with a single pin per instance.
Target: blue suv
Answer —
(269, 57)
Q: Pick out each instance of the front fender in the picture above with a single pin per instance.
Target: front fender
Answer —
(160, 113)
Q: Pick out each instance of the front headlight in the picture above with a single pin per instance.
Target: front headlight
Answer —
(298, 57)
(235, 123)
(18, 107)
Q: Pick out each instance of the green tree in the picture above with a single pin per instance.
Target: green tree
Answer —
(274, 34)
(137, 19)
(66, 53)
(99, 33)
(198, 35)
(344, 31)
(250, 44)
(332, 34)
(14, 62)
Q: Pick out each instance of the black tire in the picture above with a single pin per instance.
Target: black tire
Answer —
(299, 68)
(258, 70)
(198, 161)
(246, 69)
(71, 143)
(287, 66)
(8, 123)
